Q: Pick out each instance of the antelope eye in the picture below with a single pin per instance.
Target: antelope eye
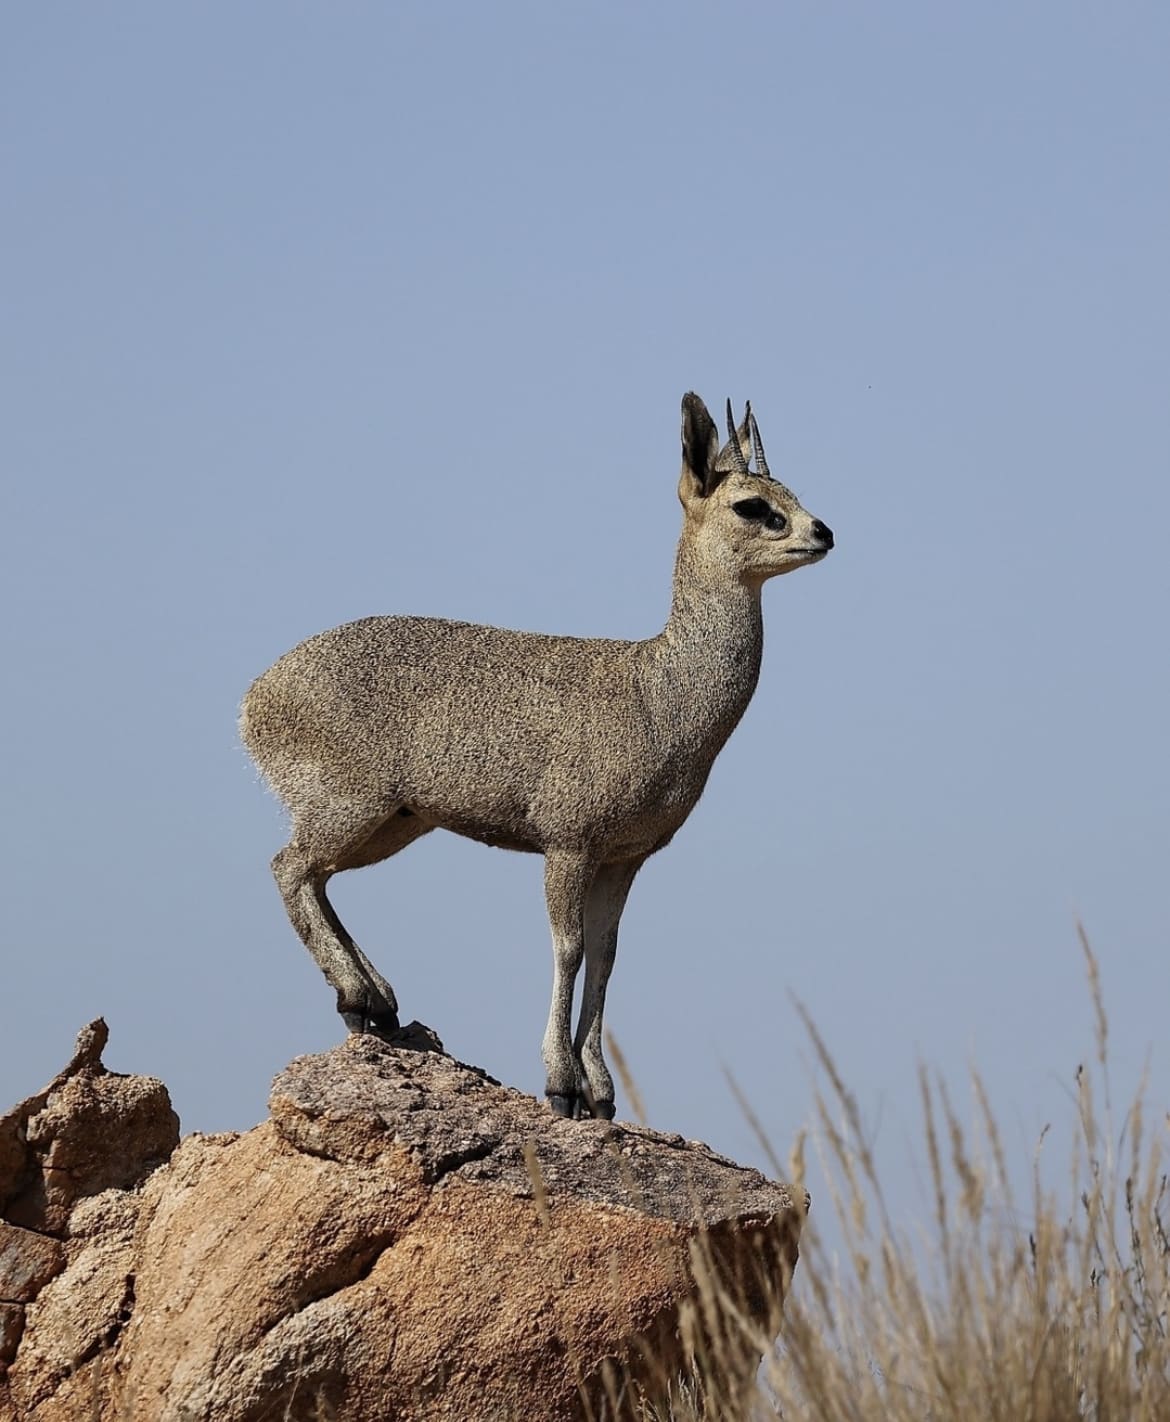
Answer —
(761, 511)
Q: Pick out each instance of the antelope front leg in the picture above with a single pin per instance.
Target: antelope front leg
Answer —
(567, 878)
(603, 911)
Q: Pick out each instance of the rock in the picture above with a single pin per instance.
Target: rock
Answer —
(27, 1262)
(88, 1130)
(404, 1238)
(71, 1330)
(11, 1327)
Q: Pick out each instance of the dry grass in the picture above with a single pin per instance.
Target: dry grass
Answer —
(1063, 1318)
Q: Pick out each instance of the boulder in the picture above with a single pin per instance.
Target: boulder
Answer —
(404, 1238)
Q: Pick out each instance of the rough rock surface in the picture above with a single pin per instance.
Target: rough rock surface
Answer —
(403, 1239)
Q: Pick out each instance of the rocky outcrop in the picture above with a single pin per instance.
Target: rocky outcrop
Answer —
(73, 1160)
(404, 1238)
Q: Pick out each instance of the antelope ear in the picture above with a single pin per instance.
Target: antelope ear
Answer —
(700, 448)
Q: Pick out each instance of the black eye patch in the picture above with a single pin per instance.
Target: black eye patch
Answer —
(760, 511)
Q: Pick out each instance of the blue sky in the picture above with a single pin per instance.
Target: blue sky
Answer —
(311, 312)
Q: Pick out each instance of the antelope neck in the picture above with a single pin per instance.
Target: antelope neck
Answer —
(707, 658)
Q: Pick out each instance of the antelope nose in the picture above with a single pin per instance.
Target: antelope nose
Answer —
(823, 532)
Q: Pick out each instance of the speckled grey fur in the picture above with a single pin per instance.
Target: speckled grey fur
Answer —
(588, 751)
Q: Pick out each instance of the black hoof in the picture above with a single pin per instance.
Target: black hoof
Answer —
(569, 1106)
(374, 1024)
(602, 1110)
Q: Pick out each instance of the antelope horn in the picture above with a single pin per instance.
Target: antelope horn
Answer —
(731, 455)
(757, 446)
